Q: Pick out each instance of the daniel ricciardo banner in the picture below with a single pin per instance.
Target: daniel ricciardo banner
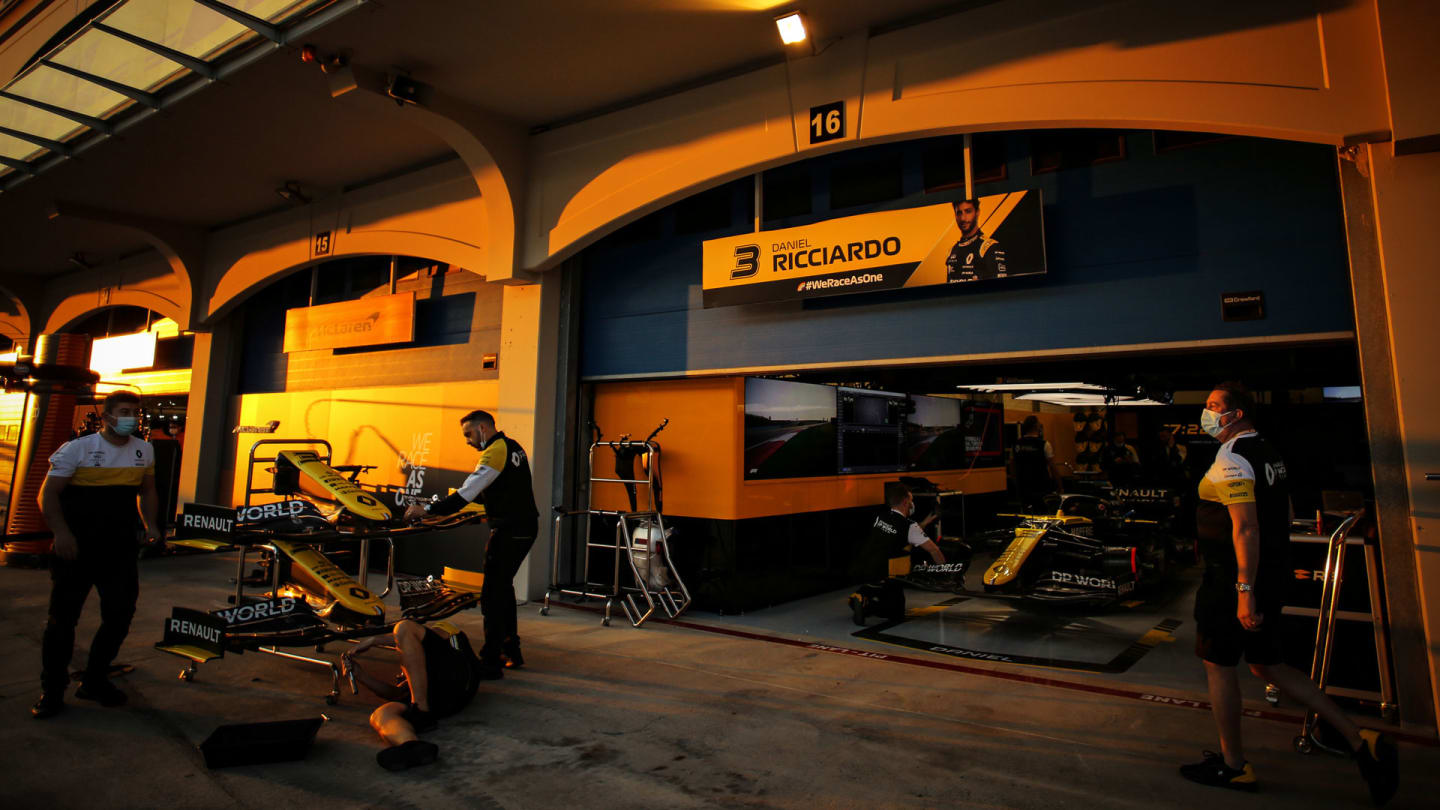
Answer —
(1000, 236)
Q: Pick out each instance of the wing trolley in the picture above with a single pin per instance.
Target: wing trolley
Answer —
(641, 540)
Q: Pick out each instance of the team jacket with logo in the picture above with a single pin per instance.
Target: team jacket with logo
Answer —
(973, 259)
(99, 501)
(1032, 464)
(1247, 469)
(892, 535)
(508, 497)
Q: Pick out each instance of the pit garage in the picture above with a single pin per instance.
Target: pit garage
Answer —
(1141, 268)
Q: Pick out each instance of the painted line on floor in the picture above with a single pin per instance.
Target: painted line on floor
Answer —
(1000, 674)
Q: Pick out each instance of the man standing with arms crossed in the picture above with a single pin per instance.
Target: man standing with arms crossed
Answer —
(88, 500)
(1243, 527)
(502, 478)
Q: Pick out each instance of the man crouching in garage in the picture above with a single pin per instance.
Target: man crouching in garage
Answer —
(440, 675)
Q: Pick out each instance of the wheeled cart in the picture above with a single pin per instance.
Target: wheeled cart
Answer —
(641, 541)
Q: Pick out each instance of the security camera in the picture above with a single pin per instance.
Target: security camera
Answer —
(404, 89)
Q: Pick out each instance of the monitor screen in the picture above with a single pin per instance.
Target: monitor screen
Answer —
(867, 450)
(859, 406)
(933, 439)
(789, 429)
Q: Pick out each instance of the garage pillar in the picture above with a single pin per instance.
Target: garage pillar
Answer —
(1389, 204)
(529, 363)
(207, 465)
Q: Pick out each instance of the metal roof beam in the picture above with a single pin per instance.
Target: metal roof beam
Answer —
(53, 146)
(148, 99)
(97, 124)
(198, 66)
(259, 26)
(17, 165)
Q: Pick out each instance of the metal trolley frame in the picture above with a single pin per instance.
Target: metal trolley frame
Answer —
(363, 572)
(673, 600)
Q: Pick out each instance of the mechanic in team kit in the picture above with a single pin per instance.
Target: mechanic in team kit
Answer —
(1243, 526)
(440, 675)
(502, 480)
(975, 257)
(88, 500)
(1033, 462)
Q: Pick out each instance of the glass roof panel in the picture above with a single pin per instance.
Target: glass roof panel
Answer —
(180, 25)
(16, 149)
(269, 10)
(63, 90)
(117, 60)
(25, 118)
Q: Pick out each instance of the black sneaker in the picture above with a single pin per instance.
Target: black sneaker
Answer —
(489, 670)
(857, 609)
(102, 692)
(408, 755)
(1214, 772)
(50, 704)
(1379, 763)
(510, 653)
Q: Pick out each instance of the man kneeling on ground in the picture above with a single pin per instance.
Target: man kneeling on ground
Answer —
(439, 676)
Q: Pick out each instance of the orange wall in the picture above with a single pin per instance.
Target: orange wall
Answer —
(383, 426)
(701, 452)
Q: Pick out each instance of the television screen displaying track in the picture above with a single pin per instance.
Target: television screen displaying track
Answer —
(789, 429)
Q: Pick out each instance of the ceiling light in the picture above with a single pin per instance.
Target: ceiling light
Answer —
(792, 27)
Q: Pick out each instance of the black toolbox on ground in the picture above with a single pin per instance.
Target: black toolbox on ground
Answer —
(258, 743)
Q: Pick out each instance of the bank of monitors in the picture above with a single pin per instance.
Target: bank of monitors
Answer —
(789, 429)
(800, 430)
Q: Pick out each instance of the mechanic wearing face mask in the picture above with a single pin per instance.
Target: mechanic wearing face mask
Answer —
(1243, 528)
(88, 500)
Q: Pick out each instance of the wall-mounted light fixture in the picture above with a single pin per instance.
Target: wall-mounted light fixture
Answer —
(792, 27)
(290, 192)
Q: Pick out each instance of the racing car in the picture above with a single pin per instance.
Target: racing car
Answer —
(1080, 554)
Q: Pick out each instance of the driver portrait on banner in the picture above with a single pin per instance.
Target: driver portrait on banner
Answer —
(974, 257)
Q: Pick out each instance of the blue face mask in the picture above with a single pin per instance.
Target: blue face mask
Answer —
(1210, 421)
(125, 425)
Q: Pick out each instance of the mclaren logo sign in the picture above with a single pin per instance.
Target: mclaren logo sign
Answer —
(363, 322)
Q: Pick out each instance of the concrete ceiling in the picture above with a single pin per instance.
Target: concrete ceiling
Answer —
(218, 156)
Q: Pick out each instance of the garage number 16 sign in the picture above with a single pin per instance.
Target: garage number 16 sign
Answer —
(827, 122)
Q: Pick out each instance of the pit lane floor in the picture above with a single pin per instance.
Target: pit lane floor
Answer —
(663, 716)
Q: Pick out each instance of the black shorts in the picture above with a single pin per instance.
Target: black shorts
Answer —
(1220, 638)
(450, 676)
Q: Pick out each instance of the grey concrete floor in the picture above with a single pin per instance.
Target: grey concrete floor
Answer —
(615, 717)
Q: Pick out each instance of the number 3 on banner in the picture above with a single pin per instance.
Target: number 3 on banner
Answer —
(746, 261)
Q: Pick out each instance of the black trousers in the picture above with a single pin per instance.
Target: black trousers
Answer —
(116, 578)
(503, 554)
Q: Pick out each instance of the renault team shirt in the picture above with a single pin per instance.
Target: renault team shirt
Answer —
(1246, 470)
(105, 478)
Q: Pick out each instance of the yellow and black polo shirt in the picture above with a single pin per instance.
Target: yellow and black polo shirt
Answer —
(104, 478)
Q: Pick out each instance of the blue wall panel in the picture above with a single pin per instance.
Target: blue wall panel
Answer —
(1139, 251)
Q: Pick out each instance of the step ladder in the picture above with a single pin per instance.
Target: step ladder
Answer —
(1328, 614)
(641, 541)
